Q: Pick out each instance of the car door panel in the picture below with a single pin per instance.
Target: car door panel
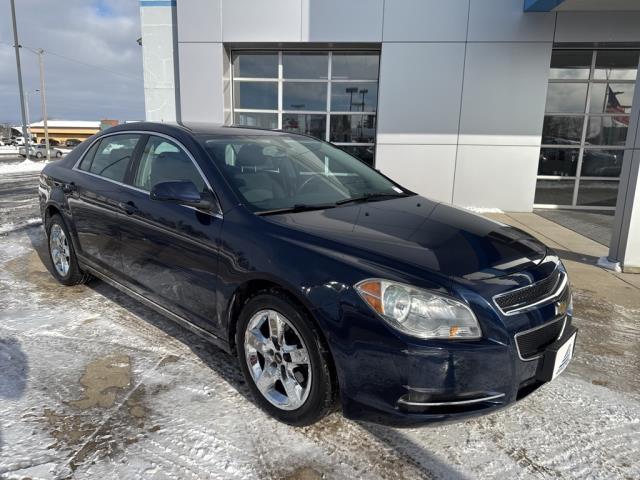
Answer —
(95, 201)
(170, 251)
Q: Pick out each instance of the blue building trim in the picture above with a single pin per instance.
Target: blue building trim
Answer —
(157, 3)
(541, 5)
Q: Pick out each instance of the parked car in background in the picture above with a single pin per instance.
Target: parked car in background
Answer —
(72, 143)
(39, 151)
(327, 279)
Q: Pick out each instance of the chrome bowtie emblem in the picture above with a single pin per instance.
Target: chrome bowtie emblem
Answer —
(561, 307)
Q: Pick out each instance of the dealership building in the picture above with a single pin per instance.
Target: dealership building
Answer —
(507, 104)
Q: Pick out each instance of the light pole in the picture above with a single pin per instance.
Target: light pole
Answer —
(43, 102)
(17, 47)
(351, 91)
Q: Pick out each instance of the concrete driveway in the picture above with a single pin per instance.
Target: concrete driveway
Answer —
(95, 385)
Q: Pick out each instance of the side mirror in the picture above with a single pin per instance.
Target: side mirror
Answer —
(182, 193)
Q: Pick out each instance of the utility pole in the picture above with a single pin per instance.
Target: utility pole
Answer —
(43, 102)
(17, 47)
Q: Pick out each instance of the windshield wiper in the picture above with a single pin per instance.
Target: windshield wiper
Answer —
(298, 207)
(371, 197)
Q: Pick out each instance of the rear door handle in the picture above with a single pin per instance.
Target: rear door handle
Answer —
(128, 207)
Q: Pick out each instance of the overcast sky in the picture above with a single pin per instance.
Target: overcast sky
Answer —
(97, 32)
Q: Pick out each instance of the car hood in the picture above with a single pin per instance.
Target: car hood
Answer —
(430, 235)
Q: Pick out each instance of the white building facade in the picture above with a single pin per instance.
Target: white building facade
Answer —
(509, 104)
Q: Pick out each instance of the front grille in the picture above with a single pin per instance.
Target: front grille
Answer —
(529, 295)
(533, 342)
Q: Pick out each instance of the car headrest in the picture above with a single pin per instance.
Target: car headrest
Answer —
(251, 156)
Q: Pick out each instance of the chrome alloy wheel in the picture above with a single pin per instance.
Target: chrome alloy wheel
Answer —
(59, 248)
(278, 359)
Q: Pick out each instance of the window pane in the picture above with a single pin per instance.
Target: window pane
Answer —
(616, 65)
(597, 193)
(558, 161)
(365, 154)
(259, 95)
(308, 124)
(347, 66)
(258, 120)
(559, 130)
(113, 156)
(353, 128)
(611, 98)
(570, 64)
(88, 157)
(566, 98)
(163, 161)
(304, 96)
(601, 163)
(607, 130)
(554, 192)
(256, 65)
(305, 65)
(356, 97)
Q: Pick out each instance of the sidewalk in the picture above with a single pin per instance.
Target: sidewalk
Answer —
(606, 305)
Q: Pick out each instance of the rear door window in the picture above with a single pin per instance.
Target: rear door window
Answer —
(110, 157)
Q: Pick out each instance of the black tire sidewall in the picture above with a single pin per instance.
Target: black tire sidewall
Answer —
(315, 406)
(74, 275)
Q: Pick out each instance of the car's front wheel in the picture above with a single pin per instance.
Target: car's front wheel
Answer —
(284, 359)
(63, 257)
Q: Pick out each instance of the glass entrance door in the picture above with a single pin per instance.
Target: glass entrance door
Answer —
(589, 99)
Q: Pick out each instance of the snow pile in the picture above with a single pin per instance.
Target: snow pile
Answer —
(483, 209)
(26, 166)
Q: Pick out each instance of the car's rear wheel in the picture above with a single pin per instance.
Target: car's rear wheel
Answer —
(284, 360)
(38, 155)
(63, 257)
(58, 154)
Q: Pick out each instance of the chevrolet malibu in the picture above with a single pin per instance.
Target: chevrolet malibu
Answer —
(331, 283)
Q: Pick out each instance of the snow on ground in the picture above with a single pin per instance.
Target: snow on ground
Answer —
(95, 385)
(24, 166)
(483, 209)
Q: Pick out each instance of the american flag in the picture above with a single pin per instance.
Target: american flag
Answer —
(614, 106)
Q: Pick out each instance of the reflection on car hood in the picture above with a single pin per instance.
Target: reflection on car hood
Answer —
(414, 230)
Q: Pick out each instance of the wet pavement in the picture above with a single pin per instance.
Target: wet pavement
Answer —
(95, 385)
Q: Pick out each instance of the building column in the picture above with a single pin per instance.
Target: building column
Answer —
(624, 250)
(159, 52)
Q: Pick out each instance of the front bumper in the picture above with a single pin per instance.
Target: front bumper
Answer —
(385, 379)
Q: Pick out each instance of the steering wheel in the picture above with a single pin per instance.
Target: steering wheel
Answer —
(307, 182)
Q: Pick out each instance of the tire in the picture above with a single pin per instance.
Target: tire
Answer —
(38, 155)
(61, 256)
(58, 154)
(316, 380)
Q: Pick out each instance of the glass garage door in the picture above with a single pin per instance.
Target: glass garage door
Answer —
(330, 95)
(589, 100)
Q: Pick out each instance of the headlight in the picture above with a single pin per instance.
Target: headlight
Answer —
(417, 312)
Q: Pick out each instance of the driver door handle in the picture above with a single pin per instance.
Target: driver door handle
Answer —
(128, 207)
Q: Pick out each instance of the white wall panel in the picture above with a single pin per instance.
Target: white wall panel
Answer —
(261, 21)
(496, 177)
(201, 82)
(598, 27)
(342, 21)
(505, 21)
(504, 95)
(419, 93)
(425, 169)
(425, 20)
(199, 21)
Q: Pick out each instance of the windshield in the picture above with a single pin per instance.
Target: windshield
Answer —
(280, 172)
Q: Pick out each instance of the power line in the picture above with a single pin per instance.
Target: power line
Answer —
(80, 62)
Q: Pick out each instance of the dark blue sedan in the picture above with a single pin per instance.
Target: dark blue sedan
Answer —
(326, 278)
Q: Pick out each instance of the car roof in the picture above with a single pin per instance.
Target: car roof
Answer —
(195, 128)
